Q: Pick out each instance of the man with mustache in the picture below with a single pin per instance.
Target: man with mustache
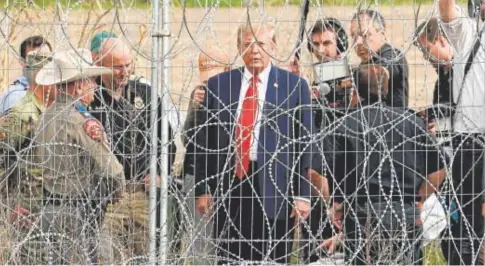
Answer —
(368, 30)
(468, 125)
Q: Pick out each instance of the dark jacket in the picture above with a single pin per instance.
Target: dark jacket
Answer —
(395, 62)
(442, 94)
(379, 151)
(127, 124)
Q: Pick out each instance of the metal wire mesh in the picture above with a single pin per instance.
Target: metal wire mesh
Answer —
(99, 175)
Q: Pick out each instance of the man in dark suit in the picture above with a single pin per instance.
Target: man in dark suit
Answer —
(256, 129)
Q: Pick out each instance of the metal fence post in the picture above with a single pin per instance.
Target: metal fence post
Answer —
(154, 134)
(165, 82)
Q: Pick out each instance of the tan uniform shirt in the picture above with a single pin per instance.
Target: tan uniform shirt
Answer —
(16, 132)
(74, 153)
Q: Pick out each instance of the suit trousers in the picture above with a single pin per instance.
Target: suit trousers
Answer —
(243, 231)
(461, 242)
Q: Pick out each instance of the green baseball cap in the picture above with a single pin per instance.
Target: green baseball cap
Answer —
(98, 39)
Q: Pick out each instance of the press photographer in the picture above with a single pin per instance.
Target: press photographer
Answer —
(327, 42)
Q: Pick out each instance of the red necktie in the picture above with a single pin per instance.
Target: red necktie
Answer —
(244, 128)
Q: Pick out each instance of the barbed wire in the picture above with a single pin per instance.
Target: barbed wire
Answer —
(384, 233)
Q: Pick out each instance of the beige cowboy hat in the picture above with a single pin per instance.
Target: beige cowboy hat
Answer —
(69, 65)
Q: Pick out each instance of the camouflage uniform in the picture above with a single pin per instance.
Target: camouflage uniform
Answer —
(24, 183)
(80, 176)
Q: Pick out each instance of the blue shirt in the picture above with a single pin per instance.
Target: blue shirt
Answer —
(13, 94)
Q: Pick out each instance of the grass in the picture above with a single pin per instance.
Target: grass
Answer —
(241, 3)
(85, 4)
(74, 4)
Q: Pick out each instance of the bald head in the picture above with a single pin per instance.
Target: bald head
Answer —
(115, 54)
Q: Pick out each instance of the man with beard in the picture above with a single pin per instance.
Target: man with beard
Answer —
(468, 126)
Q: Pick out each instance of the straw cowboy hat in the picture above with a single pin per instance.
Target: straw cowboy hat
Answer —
(69, 65)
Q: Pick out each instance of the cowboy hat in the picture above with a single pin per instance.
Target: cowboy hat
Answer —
(69, 65)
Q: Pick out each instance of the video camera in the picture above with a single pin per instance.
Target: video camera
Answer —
(329, 77)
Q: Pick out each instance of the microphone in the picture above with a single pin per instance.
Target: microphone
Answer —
(324, 88)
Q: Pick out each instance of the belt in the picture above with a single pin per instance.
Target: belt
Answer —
(135, 187)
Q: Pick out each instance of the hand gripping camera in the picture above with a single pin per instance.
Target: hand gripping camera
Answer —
(332, 81)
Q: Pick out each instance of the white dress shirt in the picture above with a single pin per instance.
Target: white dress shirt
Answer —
(262, 86)
(470, 111)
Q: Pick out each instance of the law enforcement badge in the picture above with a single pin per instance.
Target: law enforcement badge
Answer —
(93, 128)
(139, 104)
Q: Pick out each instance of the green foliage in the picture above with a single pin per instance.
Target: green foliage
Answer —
(86, 4)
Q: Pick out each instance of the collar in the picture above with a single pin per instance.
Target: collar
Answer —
(22, 80)
(263, 76)
(63, 97)
(378, 56)
(38, 103)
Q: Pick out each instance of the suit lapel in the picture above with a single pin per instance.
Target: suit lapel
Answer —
(235, 90)
(271, 91)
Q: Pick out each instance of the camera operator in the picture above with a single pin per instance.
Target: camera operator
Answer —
(327, 42)
(368, 30)
(433, 43)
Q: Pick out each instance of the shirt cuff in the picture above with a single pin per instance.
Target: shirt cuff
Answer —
(302, 199)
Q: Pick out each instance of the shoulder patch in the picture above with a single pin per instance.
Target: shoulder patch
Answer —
(93, 128)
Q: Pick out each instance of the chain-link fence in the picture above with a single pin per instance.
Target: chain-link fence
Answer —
(210, 132)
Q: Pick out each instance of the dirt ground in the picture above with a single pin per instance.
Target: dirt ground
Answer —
(217, 26)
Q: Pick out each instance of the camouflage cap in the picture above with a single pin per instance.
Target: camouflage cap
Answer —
(98, 39)
(38, 59)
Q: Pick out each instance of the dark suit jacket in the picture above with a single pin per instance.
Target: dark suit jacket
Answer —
(285, 133)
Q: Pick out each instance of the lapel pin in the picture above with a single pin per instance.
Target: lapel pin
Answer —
(275, 85)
